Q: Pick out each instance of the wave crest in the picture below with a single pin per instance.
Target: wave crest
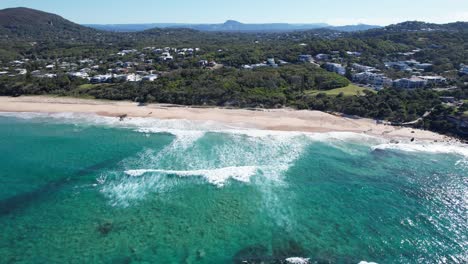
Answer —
(217, 177)
(435, 148)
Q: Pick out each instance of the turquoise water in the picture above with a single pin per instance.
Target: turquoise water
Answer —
(86, 189)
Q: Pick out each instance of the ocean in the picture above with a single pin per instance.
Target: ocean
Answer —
(81, 188)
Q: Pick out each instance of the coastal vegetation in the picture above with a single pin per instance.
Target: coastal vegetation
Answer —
(39, 41)
(350, 90)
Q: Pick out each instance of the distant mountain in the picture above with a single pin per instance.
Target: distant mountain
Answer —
(228, 26)
(28, 23)
(233, 26)
(353, 28)
(133, 27)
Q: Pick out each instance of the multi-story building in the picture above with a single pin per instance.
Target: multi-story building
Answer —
(434, 80)
(377, 80)
(410, 83)
(306, 58)
(335, 67)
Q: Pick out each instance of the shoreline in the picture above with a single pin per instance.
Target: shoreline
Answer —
(264, 119)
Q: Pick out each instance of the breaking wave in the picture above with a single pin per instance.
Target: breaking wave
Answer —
(218, 153)
(217, 177)
(435, 148)
(297, 260)
(217, 158)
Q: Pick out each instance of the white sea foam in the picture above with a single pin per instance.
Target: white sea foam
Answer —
(141, 124)
(271, 153)
(187, 132)
(181, 127)
(435, 148)
(217, 177)
(365, 262)
(297, 260)
(463, 163)
(236, 157)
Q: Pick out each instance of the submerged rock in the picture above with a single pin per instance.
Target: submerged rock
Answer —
(252, 254)
(105, 228)
(288, 248)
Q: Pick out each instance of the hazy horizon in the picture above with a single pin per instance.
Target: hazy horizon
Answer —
(332, 12)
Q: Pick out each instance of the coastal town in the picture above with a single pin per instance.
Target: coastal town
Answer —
(132, 65)
(128, 65)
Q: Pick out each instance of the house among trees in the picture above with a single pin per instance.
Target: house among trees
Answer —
(376, 80)
(410, 83)
(335, 67)
(463, 69)
(306, 58)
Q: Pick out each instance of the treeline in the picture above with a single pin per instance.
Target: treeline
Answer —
(390, 104)
(395, 105)
(268, 87)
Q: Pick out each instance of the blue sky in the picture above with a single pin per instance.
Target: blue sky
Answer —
(336, 12)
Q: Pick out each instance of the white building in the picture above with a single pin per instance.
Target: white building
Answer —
(322, 57)
(125, 52)
(354, 53)
(253, 66)
(203, 63)
(86, 61)
(17, 63)
(22, 71)
(87, 70)
(410, 83)
(49, 75)
(133, 77)
(36, 73)
(376, 80)
(335, 67)
(434, 80)
(463, 69)
(272, 63)
(101, 78)
(400, 66)
(166, 56)
(150, 78)
(82, 75)
(306, 58)
(423, 66)
(363, 68)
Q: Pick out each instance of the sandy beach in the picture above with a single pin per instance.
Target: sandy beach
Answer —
(268, 119)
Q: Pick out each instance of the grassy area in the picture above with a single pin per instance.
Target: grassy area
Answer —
(85, 86)
(349, 90)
